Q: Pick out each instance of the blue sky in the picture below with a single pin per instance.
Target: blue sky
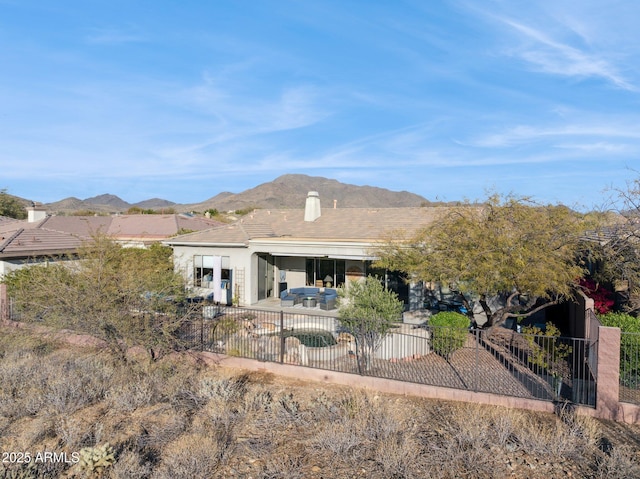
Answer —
(446, 99)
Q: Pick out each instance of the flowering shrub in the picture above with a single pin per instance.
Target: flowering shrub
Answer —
(602, 297)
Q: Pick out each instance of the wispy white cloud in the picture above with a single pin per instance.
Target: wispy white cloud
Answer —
(600, 147)
(552, 56)
(522, 134)
(568, 39)
(115, 36)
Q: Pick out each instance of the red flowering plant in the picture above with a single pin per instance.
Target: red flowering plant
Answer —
(603, 298)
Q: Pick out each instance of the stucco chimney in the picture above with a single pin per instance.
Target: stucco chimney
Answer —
(36, 213)
(312, 206)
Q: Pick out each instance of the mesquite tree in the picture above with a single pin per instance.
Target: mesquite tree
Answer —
(508, 247)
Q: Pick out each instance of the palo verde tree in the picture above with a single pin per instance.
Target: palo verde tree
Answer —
(507, 247)
(120, 295)
(368, 310)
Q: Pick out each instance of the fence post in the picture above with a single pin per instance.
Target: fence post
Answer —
(202, 331)
(608, 373)
(476, 334)
(282, 345)
(4, 303)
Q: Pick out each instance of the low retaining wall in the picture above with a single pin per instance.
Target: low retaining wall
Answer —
(376, 384)
(623, 412)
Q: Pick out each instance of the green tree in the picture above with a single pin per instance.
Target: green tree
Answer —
(368, 311)
(11, 207)
(508, 247)
(126, 296)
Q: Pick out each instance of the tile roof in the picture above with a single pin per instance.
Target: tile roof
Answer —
(27, 242)
(64, 234)
(345, 224)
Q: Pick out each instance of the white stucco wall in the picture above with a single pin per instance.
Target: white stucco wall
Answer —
(289, 256)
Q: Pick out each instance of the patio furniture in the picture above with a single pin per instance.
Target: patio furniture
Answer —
(295, 295)
(309, 302)
(327, 299)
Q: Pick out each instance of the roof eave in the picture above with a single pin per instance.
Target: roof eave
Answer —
(204, 243)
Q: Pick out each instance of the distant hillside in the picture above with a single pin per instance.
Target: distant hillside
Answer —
(111, 201)
(154, 204)
(287, 191)
(105, 204)
(290, 191)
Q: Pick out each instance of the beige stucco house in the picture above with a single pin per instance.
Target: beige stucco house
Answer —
(269, 251)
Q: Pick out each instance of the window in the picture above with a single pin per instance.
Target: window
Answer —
(203, 270)
(329, 272)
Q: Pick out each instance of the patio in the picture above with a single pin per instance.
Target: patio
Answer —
(273, 304)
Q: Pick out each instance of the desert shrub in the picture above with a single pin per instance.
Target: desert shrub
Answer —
(61, 384)
(75, 383)
(620, 463)
(289, 466)
(554, 439)
(220, 424)
(73, 432)
(34, 470)
(130, 466)
(228, 389)
(258, 400)
(339, 439)
(462, 441)
(17, 384)
(138, 392)
(396, 457)
(449, 332)
(161, 426)
(187, 457)
(106, 294)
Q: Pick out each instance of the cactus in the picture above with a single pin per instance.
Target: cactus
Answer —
(94, 460)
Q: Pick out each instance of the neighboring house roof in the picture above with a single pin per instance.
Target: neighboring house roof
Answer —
(130, 227)
(344, 225)
(64, 234)
(28, 242)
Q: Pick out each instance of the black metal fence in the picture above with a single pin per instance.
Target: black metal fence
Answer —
(630, 367)
(501, 361)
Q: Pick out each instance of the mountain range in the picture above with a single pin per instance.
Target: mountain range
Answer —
(287, 191)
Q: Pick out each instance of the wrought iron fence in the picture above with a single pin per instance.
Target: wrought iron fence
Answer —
(501, 361)
(630, 367)
(508, 363)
